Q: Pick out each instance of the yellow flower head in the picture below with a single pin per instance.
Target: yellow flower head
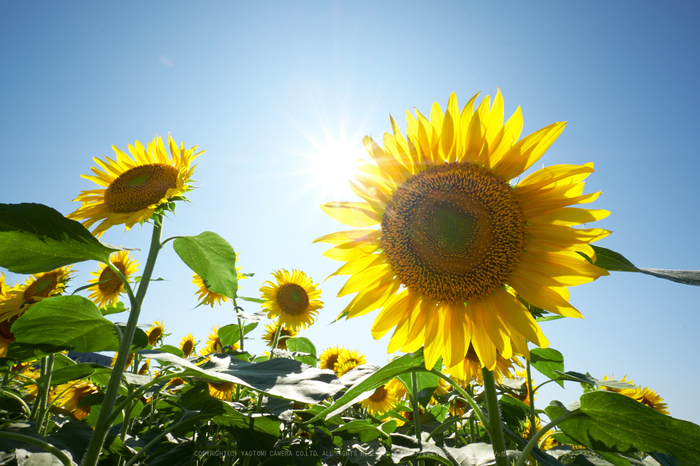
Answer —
(546, 441)
(133, 187)
(155, 333)
(129, 360)
(214, 342)
(470, 367)
(348, 360)
(222, 390)
(187, 345)
(37, 287)
(383, 399)
(271, 330)
(329, 358)
(143, 370)
(108, 286)
(210, 298)
(397, 387)
(444, 231)
(644, 395)
(69, 394)
(294, 299)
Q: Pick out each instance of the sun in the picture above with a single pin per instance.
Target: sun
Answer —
(331, 166)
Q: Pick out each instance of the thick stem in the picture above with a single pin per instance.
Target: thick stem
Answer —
(46, 391)
(103, 424)
(496, 430)
(535, 438)
(416, 408)
(274, 342)
(531, 396)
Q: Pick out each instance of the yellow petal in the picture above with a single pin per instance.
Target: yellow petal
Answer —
(356, 214)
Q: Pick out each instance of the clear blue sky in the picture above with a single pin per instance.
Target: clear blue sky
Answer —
(270, 88)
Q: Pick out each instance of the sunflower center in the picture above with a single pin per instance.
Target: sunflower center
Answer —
(380, 394)
(112, 283)
(293, 299)
(42, 287)
(140, 187)
(187, 348)
(453, 232)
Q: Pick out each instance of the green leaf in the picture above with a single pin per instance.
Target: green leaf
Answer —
(363, 428)
(252, 300)
(610, 422)
(172, 350)
(116, 308)
(70, 373)
(70, 321)
(230, 334)
(547, 361)
(614, 261)
(36, 238)
(301, 344)
(212, 258)
(426, 383)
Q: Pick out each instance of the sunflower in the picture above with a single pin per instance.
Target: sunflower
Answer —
(398, 387)
(210, 298)
(214, 344)
(187, 345)
(525, 398)
(143, 370)
(156, 332)
(271, 330)
(129, 360)
(70, 394)
(108, 286)
(349, 359)
(37, 287)
(4, 288)
(294, 298)
(644, 395)
(451, 233)
(329, 358)
(383, 399)
(134, 187)
(470, 367)
(546, 442)
(222, 390)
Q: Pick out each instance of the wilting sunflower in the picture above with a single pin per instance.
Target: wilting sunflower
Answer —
(156, 332)
(37, 287)
(383, 399)
(108, 286)
(294, 299)
(271, 330)
(187, 345)
(470, 367)
(452, 232)
(329, 358)
(210, 298)
(222, 390)
(135, 186)
(348, 360)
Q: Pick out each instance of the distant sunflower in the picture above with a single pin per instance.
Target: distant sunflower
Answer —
(271, 330)
(526, 397)
(644, 395)
(383, 399)
(329, 358)
(470, 367)
(143, 370)
(222, 390)
(294, 299)
(108, 286)
(129, 360)
(210, 298)
(348, 360)
(135, 186)
(214, 344)
(187, 345)
(452, 232)
(548, 442)
(37, 287)
(156, 332)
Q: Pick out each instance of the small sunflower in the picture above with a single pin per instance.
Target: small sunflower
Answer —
(271, 330)
(210, 298)
(383, 399)
(222, 390)
(348, 360)
(470, 367)
(134, 187)
(214, 344)
(143, 370)
(294, 299)
(156, 332)
(329, 358)
(37, 287)
(547, 442)
(448, 232)
(129, 360)
(187, 345)
(108, 286)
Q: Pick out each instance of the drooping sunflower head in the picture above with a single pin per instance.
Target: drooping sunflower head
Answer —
(294, 298)
(70, 394)
(108, 286)
(470, 367)
(329, 358)
(222, 390)
(383, 399)
(156, 332)
(449, 233)
(36, 288)
(187, 345)
(133, 187)
(271, 330)
(348, 360)
(209, 298)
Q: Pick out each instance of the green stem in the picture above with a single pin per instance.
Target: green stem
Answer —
(416, 408)
(496, 430)
(477, 410)
(39, 443)
(241, 330)
(535, 438)
(18, 398)
(163, 434)
(531, 396)
(103, 424)
(47, 369)
(274, 342)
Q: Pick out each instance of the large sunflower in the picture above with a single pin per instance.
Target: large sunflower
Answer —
(294, 299)
(108, 286)
(135, 186)
(453, 233)
(37, 287)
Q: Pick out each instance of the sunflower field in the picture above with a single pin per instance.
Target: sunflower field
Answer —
(460, 255)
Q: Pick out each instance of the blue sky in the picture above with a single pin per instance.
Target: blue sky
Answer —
(270, 89)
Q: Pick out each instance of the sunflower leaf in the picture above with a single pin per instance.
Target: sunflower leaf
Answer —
(70, 321)
(547, 361)
(36, 238)
(212, 258)
(611, 422)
